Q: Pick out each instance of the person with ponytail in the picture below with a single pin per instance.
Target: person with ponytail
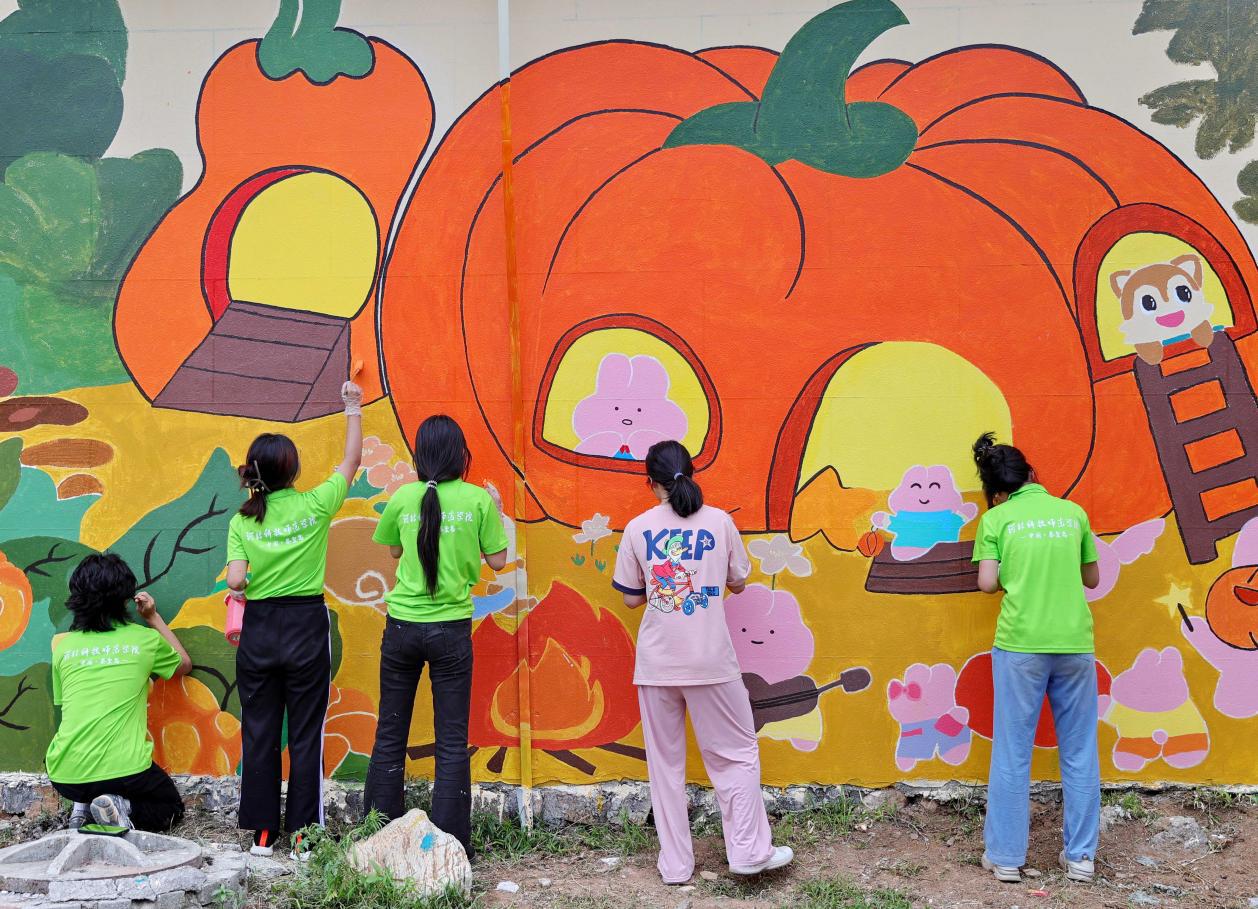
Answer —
(277, 549)
(1039, 550)
(438, 529)
(677, 558)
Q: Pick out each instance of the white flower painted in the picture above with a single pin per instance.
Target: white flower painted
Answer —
(594, 529)
(780, 553)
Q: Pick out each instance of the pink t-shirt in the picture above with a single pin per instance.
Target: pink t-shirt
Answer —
(681, 565)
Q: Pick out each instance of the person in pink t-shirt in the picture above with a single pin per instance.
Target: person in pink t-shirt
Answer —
(677, 558)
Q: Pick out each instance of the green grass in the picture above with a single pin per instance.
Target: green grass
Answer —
(329, 881)
(830, 819)
(906, 869)
(840, 893)
(1130, 802)
(506, 840)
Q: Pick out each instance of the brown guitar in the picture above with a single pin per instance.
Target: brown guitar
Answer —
(777, 701)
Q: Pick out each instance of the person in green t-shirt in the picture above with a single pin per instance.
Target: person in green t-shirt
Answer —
(438, 529)
(101, 757)
(277, 546)
(1039, 550)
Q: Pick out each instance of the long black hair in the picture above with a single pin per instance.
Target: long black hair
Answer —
(1001, 468)
(271, 465)
(100, 589)
(441, 454)
(668, 463)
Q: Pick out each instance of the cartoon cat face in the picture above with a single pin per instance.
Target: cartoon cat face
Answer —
(630, 396)
(926, 489)
(1161, 301)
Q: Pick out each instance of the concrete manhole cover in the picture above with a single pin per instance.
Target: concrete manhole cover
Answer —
(69, 856)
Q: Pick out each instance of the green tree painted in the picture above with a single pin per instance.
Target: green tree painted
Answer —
(315, 46)
(1223, 34)
(50, 28)
(803, 114)
(213, 664)
(48, 563)
(26, 718)
(1247, 180)
(178, 550)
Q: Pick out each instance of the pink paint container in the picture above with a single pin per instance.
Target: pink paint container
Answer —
(235, 618)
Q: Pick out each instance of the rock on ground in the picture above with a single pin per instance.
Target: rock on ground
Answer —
(413, 849)
(1181, 831)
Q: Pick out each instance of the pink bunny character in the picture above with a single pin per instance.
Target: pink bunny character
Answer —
(1124, 549)
(629, 411)
(772, 641)
(1154, 714)
(924, 704)
(926, 509)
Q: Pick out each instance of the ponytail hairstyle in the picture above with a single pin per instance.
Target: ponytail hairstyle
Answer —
(669, 465)
(1001, 468)
(271, 465)
(441, 454)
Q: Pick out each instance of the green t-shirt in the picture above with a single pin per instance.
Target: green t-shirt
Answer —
(470, 525)
(1040, 542)
(100, 679)
(288, 552)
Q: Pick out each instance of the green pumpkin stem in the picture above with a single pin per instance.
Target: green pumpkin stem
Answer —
(803, 114)
(314, 46)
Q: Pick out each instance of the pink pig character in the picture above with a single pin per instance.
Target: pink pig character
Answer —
(629, 411)
(1124, 549)
(926, 509)
(771, 640)
(924, 704)
(1155, 717)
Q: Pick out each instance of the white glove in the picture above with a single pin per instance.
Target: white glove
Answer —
(352, 395)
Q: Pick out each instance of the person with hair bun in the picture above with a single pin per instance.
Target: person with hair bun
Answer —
(277, 547)
(101, 757)
(1039, 550)
(677, 558)
(438, 529)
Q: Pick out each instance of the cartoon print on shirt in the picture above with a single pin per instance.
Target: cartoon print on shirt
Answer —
(671, 588)
(629, 410)
(926, 509)
(1163, 303)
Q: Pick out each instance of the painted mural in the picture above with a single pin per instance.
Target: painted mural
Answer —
(824, 269)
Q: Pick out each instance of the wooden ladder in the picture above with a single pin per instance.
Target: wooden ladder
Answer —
(1204, 419)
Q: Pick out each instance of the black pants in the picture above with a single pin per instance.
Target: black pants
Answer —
(155, 802)
(447, 649)
(284, 664)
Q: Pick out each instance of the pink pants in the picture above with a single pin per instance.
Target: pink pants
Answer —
(721, 717)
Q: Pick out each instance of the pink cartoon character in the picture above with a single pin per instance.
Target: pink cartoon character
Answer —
(926, 510)
(924, 704)
(1111, 556)
(630, 409)
(1150, 706)
(774, 648)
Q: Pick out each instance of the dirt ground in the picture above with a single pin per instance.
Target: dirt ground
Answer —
(917, 854)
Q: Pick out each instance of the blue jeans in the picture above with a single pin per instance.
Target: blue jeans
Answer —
(1020, 681)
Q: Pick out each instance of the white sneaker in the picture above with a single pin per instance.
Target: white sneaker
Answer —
(1082, 871)
(112, 811)
(1004, 873)
(782, 856)
(262, 843)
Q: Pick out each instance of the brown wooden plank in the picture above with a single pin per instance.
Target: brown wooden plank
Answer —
(925, 570)
(923, 586)
(238, 323)
(258, 358)
(274, 312)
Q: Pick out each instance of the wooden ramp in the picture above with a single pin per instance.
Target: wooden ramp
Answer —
(1204, 420)
(267, 363)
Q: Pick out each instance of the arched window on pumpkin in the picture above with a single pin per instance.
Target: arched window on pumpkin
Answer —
(889, 447)
(612, 391)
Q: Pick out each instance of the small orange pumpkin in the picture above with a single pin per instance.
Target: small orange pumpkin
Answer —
(15, 603)
(871, 544)
(1232, 607)
(190, 733)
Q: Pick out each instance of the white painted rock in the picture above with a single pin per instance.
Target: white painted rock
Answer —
(413, 849)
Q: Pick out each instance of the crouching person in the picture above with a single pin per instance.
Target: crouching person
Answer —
(101, 757)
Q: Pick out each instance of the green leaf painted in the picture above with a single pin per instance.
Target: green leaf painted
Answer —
(48, 563)
(213, 663)
(803, 114)
(33, 646)
(36, 494)
(363, 488)
(315, 46)
(134, 194)
(70, 104)
(178, 550)
(53, 28)
(353, 768)
(26, 718)
(1247, 181)
(49, 213)
(10, 469)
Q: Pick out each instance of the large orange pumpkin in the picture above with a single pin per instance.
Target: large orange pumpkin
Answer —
(943, 201)
(16, 600)
(1232, 607)
(258, 132)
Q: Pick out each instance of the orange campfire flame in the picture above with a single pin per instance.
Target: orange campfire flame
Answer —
(581, 667)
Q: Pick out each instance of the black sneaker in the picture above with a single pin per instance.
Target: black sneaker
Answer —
(263, 843)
